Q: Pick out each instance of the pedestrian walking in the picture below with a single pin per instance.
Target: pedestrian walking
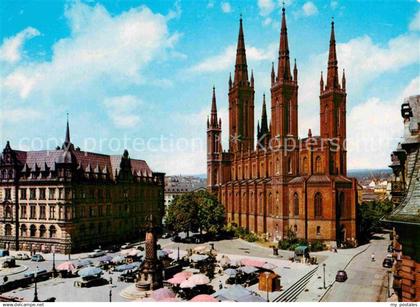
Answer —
(373, 257)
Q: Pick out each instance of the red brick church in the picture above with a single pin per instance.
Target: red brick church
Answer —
(279, 181)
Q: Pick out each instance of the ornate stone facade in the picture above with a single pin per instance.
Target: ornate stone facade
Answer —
(284, 181)
(74, 200)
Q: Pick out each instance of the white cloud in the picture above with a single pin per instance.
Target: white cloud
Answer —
(19, 115)
(210, 4)
(122, 110)
(375, 127)
(333, 4)
(100, 47)
(226, 7)
(266, 7)
(363, 60)
(11, 48)
(415, 23)
(226, 59)
(309, 9)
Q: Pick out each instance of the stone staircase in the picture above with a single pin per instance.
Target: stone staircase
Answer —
(291, 294)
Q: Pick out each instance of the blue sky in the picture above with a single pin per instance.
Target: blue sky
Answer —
(138, 74)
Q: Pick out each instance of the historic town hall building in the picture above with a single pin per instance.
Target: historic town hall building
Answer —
(280, 181)
(71, 200)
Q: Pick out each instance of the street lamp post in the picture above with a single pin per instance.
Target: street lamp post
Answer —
(36, 288)
(267, 274)
(53, 268)
(110, 289)
(389, 281)
(323, 267)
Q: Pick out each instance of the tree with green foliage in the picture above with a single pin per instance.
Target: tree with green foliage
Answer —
(211, 213)
(369, 215)
(195, 210)
(181, 215)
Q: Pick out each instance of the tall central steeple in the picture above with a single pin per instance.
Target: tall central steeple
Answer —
(241, 101)
(283, 70)
(332, 75)
(213, 113)
(241, 67)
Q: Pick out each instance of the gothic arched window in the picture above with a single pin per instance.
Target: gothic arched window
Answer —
(318, 204)
(32, 230)
(305, 165)
(296, 204)
(42, 231)
(341, 205)
(318, 165)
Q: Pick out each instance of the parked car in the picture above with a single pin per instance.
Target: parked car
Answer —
(341, 276)
(113, 248)
(388, 262)
(166, 235)
(8, 262)
(127, 245)
(22, 256)
(4, 252)
(37, 258)
(38, 273)
(176, 239)
(97, 253)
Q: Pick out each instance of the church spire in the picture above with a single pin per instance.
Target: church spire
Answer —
(283, 71)
(67, 143)
(213, 114)
(264, 122)
(332, 75)
(241, 68)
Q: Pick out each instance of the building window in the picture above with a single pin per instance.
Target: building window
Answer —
(32, 230)
(8, 212)
(341, 205)
(295, 228)
(318, 204)
(42, 193)
(305, 165)
(52, 212)
(296, 204)
(53, 231)
(23, 194)
(42, 214)
(7, 194)
(23, 211)
(32, 193)
(8, 230)
(290, 166)
(51, 193)
(318, 166)
(91, 212)
(32, 213)
(318, 230)
(42, 231)
(60, 193)
(23, 230)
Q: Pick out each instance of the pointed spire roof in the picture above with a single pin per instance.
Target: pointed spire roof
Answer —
(264, 120)
(283, 70)
(241, 68)
(67, 143)
(332, 75)
(213, 115)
